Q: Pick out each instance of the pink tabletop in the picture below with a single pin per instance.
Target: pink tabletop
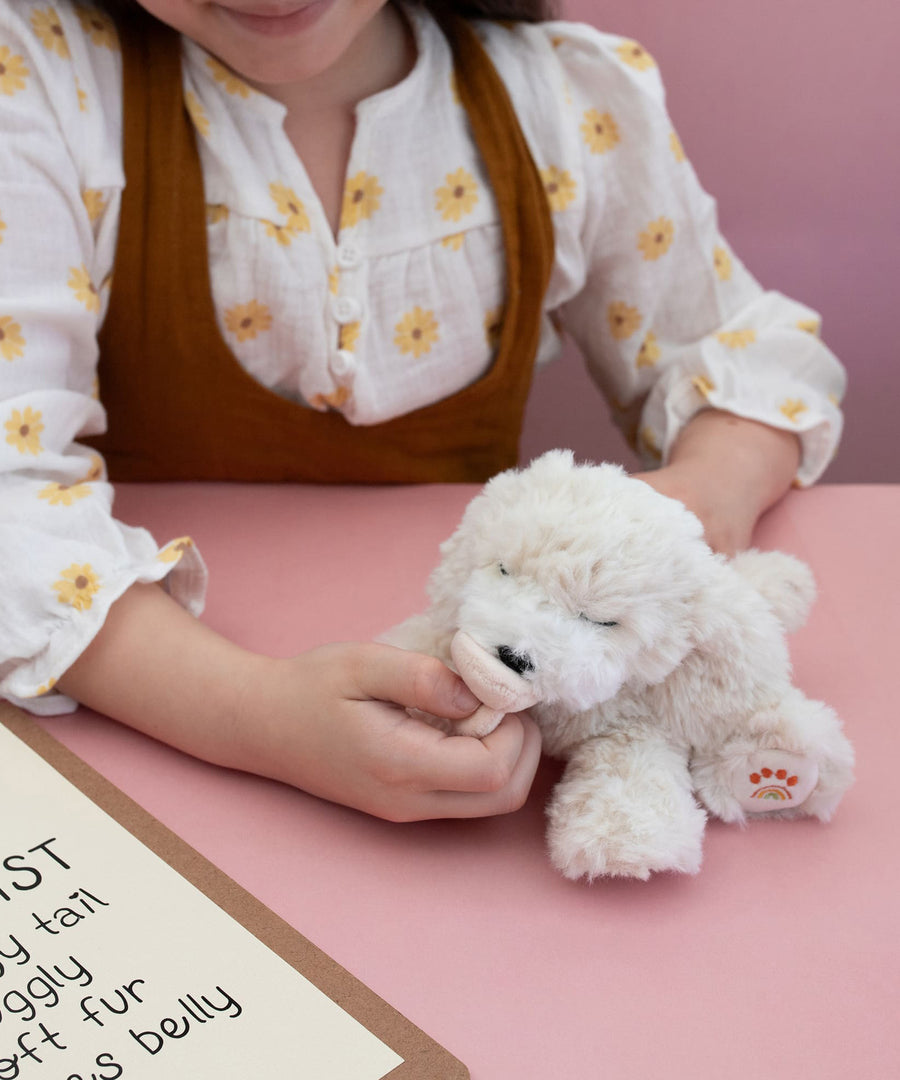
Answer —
(780, 959)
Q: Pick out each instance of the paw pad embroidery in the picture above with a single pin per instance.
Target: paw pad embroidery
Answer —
(780, 789)
(773, 780)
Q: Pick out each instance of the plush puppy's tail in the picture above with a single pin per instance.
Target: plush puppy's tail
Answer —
(786, 583)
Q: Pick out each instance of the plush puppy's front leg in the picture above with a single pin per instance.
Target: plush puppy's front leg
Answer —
(624, 808)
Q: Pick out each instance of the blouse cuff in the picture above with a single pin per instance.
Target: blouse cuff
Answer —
(765, 394)
(31, 685)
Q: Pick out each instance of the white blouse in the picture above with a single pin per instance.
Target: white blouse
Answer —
(399, 310)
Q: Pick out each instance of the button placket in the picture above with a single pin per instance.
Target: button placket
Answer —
(347, 309)
(342, 364)
(349, 255)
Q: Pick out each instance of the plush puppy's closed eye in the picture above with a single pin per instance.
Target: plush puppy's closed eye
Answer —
(597, 622)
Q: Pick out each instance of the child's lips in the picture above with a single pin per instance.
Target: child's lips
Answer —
(277, 21)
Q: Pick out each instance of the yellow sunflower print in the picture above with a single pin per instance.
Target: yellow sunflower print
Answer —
(197, 113)
(676, 148)
(635, 55)
(99, 27)
(291, 206)
(348, 336)
(656, 239)
(362, 197)
(454, 242)
(82, 98)
(811, 326)
(173, 551)
(600, 131)
(94, 203)
(13, 72)
(792, 408)
(2, 227)
(46, 688)
(77, 586)
(458, 196)
(216, 212)
(334, 400)
(650, 443)
(559, 186)
(50, 33)
(334, 281)
(80, 283)
(722, 264)
(245, 321)
(623, 320)
(12, 344)
(416, 332)
(24, 431)
(493, 327)
(64, 494)
(703, 385)
(649, 352)
(95, 471)
(736, 339)
(284, 234)
(224, 75)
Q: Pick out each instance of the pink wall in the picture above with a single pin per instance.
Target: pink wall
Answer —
(790, 112)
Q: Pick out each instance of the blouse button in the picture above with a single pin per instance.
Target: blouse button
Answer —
(347, 309)
(343, 363)
(348, 256)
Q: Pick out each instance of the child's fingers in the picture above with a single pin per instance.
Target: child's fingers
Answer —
(459, 776)
(462, 763)
(385, 673)
(499, 798)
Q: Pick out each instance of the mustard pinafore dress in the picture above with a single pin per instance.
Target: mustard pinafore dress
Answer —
(179, 404)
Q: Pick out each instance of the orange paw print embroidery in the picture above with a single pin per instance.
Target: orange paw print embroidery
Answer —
(779, 791)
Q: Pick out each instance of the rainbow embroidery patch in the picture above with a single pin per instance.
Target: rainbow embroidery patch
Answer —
(772, 781)
(780, 791)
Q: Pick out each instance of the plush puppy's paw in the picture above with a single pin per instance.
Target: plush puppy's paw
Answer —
(624, 808)
(775, 780)
(793, 760)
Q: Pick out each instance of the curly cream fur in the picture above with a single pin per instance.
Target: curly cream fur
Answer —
(666, 704)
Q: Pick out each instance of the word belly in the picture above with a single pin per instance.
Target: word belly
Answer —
(194, 1012)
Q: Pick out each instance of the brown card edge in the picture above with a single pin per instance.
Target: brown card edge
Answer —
(424, 1059)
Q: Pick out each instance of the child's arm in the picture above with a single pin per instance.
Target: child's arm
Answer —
(728, 471)
(330, 721)
(674, 328)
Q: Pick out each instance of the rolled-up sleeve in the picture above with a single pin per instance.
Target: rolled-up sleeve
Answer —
(64, 558)
(669, 319)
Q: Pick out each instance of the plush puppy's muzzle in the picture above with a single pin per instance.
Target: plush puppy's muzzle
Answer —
(493, 678)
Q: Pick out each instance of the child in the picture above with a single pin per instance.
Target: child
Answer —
(372, 314)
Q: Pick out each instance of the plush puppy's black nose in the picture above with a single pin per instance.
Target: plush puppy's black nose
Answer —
(519, 662)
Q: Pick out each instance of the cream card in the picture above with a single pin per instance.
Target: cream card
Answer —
(113, 965)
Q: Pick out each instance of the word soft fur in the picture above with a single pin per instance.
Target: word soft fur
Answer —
(657, 669)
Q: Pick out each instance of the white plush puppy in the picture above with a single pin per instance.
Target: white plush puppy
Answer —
(657, 669)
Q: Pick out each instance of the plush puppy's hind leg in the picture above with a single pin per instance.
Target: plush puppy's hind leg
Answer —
(792, 760)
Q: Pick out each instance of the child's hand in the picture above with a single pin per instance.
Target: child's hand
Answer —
(727, 515)
(728, 471)
(333, 722)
